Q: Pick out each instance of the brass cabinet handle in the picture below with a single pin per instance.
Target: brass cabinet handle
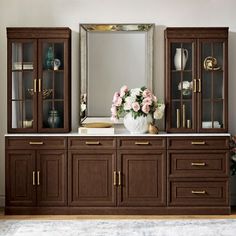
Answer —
(38, 178)
(119, 178)
(33, 178)
(35, 85)
(198, 142)
(36, 143)
(40, 85)
(142, 143)
(92, 143)
(198, 192)
(199, 85)
(198, 164)
(194, 85)
(114, 178)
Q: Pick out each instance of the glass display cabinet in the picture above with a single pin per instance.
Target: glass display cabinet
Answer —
(196, 71)
(39, 79)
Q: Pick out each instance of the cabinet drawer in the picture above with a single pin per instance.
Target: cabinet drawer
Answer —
(198, 143)
(36, 143)
(199, 192)
(141, 143)
(198, 163)
(91, 143)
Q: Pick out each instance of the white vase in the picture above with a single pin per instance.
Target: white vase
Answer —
(180, 58)
(138, 125)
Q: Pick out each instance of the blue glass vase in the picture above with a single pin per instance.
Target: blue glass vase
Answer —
(54, 119)
(49, 58)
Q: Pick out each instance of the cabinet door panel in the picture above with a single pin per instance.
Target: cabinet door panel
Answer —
(52, 178)
(20, 189)
(143, 178)
(91, 178)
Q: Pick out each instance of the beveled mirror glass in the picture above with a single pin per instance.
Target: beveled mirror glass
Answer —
(113, 55)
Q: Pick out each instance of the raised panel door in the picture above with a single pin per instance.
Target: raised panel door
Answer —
(20, 178)
(51, 178)
(91, 178)
(142, 178)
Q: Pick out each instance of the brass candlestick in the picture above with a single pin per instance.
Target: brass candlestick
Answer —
(178, 118)
(184, 118)
(188, 124)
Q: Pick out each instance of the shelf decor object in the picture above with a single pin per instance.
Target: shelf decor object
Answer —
(196, 79)
(39, 73)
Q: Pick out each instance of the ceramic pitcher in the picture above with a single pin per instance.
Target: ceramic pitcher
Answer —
(180, 58)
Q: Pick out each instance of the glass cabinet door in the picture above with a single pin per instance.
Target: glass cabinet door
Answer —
(22, 85)
(212, 84)
(182, 85)
(52, 74)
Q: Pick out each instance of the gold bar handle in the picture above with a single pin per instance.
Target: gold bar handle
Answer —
(198, 164)
(92, 143)
(119, 178)
(198, 192)
(194, 85)
(38, 178)
(40, 85)
(114, 178)
(142, 143)
(198, 143)
(35, 85)
(33, 178)
(36, 143)
(199, 85)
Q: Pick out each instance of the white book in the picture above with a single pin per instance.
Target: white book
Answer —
(84, 130)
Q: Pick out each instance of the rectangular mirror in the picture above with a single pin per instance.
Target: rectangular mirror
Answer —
(113, 55)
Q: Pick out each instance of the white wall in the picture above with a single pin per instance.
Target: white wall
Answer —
(46, 13)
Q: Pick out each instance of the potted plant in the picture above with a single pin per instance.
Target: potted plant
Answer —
(138, 106)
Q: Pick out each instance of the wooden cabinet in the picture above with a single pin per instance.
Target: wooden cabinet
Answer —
(92, 162)
(164, 174)
(35, 176)
(198, 171)
(141, 166)
(38, 79)
(196, 72)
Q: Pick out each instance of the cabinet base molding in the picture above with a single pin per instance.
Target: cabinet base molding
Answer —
(224, 210)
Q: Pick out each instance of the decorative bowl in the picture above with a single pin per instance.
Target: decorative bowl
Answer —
(46, 92)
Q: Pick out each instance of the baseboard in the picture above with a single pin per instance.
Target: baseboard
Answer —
(2, 200)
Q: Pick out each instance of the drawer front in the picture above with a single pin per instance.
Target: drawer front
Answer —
(91, 143)
(141, 143)
(198, 143)
(198, 163)
(199, 193)
(36, 143)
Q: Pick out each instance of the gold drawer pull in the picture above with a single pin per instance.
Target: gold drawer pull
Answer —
(198, 164)
(35, 85)
(142, 143)
(38, 178)
(36, 143)
(92, 143)
(194, 85)
(33, 178)
(199, 192)
(119, 178)
(114, 178)
(198, 143)
(40, 85)
(199, 85)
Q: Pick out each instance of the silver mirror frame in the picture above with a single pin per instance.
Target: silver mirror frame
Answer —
(83, 50)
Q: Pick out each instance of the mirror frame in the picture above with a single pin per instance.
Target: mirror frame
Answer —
(83, 55)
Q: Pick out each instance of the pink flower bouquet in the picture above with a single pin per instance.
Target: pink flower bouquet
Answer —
(137, 101)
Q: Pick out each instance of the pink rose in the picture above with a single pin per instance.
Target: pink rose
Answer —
(146, 108)
(115, 97)
(154, 98)
(147, 100)
(147, 93)
(124, 89)
(135, 106)
(118, 102)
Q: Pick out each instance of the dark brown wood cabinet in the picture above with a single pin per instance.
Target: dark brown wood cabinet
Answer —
(196, 79)
(37, 175)
(92, 162)
(39, 79)
(166, 174)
